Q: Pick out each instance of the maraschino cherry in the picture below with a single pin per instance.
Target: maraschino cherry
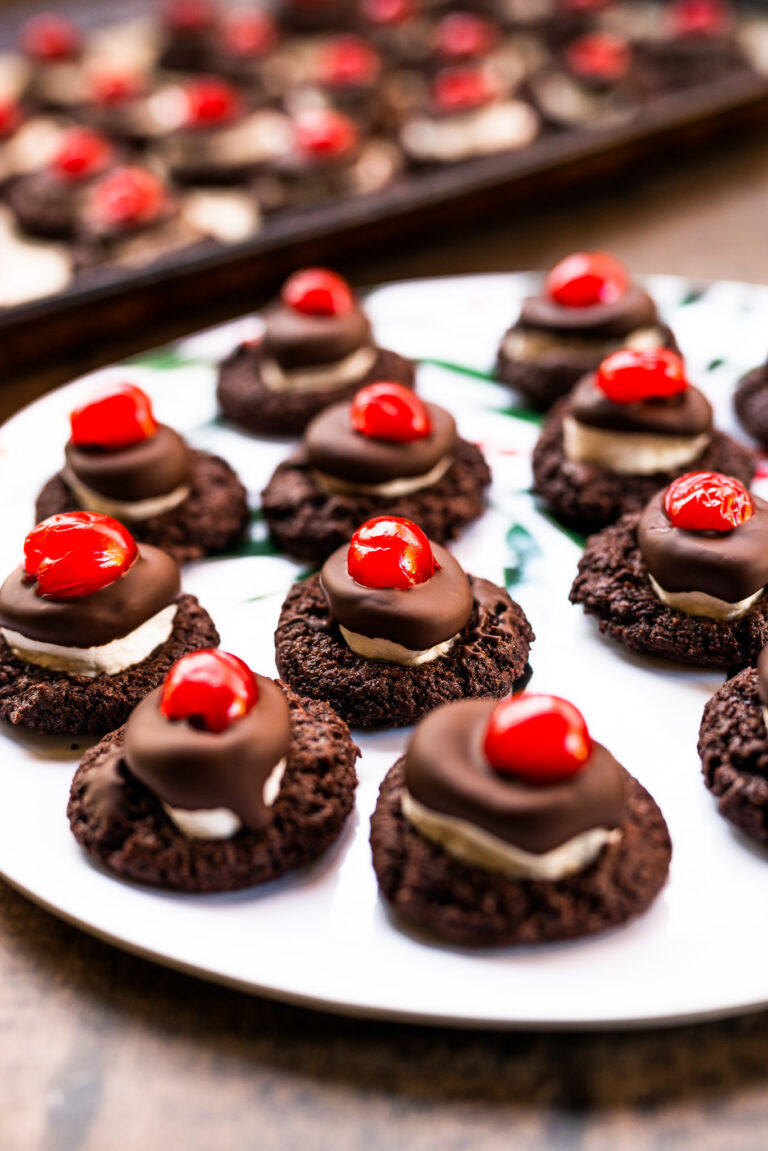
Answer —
(389, 411)
(390, 552)
(50, 38)
(210, 689)
(128, 197)
(600, 56)
(189, 15)
(82, 153)
(318, 292)
(388, 13)
(541, 739)
(630, 375)
(10, 117)
(462, 89)
(708, 502)
(348, 61)
(115, 87)
(118, 420)
(324, 133)
(465, 36)
(585, 279)
(700, 17)
(210, 101)
(248, 32)
(77, 554)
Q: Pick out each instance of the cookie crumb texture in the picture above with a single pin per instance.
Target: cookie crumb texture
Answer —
(58, 704)
(489, 657)
(309, 523)
(246, 401)
(613, 585)
(733, 746)
(427, 886)
(587, 498)
(213, 516)
(137, 840)
(751, 403)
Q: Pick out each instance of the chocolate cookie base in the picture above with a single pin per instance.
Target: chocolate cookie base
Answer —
(542, 384)
(466, 904)
(213, 516)
(132, 835)
(751, 403)
(488, 658)
(59, 704)
(246, 400)
(587, 497)
(309, 523)
(613, 585)
(733, 746)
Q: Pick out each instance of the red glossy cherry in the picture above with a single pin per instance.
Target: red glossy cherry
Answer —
(324, 133)
(128, 197)
(388, 411)
(77, 554)
(249, 32)
(50, 37)
(82, 153)
(465, 36)
(110, 88)
(708, 502)
(388, 13)
(461, 89)
(10, 117)
(541, 739)
(584, 279)
(700, 17)
(390, 551)
(318, 292)
(118, 420)
(189, 15)
(630, 375)
(599, 56)
(348, 61)
(211, 689)
(210, 101)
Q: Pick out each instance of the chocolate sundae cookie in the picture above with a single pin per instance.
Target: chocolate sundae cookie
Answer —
(591, 80)
(317, 349)
(121, 462)
(692, 44)
(623, 433)
(89, 624)
(392, 627)
(684, 579)
(504, 823)
(385, 452)
(587, 310)
(751, 403)
(220, 779)
(733, 745)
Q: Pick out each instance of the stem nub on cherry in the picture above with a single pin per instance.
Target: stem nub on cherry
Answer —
(541, 739)
(390, 552)
(210, 689)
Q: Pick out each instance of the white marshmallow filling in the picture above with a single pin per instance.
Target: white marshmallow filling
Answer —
(494, 128)
(319, 378)
(389, 489)
(387, 651)
(124, 509)
(701, 603)
(629, 453)
(529, 345)
(220, 822)
(479, 848)
(106, 659)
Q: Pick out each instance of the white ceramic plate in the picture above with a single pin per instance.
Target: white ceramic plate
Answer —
(323, 937)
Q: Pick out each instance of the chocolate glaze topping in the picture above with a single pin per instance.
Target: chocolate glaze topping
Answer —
(335, 447)
(153, 467)
(298, 340)
(418, 617)
(634, 309)
(151, 583)
(687, 414)
(762, 676)
(198, 770)
(445, 770)
(729, 565)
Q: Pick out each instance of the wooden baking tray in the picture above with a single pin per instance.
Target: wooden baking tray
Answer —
(133, 306)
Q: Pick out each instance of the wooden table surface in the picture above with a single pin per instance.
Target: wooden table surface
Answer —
(104, 1051)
